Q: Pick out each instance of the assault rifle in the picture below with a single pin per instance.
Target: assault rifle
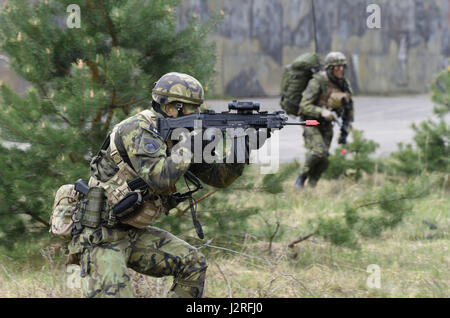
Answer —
(347, 108)
(246, 115)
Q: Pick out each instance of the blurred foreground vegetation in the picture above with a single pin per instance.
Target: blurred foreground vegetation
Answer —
(247, 246)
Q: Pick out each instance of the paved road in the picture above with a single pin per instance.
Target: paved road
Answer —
(386, 120)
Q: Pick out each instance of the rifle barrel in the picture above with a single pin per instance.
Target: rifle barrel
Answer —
(304, 123)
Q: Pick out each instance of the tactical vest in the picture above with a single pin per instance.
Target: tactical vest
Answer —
(328, 89)
(117, 186)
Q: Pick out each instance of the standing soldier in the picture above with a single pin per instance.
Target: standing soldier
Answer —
(326, 92)
(134, 151)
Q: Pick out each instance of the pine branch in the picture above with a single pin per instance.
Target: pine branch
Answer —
(57, 113)
(91, 7)
(37, 218)
(108, 23)
(62, 69)
(108, 119)
(94, 70)
(26, 138)
(72, 158)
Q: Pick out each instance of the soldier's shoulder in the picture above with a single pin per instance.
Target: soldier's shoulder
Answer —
(317, 82)
(140, 137)
(128, 125)
(146, 120)
(320, 76)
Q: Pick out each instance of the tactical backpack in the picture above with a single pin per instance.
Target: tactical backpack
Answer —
(294, 80)
(65, 206)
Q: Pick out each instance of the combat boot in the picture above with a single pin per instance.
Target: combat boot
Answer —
(300, 182)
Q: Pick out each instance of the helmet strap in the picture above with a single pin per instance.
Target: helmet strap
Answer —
(157, 108)
(179, 108)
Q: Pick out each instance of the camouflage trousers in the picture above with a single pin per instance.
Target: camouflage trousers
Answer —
(105, 255)
(317, 143)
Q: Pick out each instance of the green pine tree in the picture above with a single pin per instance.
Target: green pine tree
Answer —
(375, 212)
(83, 81)
(432, 137)
(355, 160)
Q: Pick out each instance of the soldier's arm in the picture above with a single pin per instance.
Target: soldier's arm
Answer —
(219, 175)
(147, 153)
(309, 98)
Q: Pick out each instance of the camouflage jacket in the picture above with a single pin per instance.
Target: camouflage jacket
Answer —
(146, 152)
(317, 95)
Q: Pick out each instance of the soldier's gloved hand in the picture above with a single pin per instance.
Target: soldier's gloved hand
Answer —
(328, 115)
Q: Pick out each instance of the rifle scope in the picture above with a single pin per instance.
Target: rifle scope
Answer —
(243, 106)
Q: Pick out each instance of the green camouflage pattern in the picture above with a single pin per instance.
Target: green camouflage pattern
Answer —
(317, 95)
(310, 96)
(152, 163)
(159, 169)
(178, 87)
(93, 207)
(317, 143)
(106, 255)
(318, 139)
(334, 59)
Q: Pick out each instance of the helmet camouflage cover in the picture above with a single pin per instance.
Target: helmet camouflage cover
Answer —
(178, 87)
(335, 58)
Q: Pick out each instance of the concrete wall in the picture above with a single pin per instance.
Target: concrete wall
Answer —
(258, 37)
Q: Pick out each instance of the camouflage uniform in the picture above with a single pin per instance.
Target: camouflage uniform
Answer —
(321, 89)
(107, 252)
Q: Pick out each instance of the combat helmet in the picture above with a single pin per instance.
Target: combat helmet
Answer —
(178, 87)
(334, 59)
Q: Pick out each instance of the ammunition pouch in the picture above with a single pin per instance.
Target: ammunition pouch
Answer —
(90, 209)
(337, 100)
(128, 206)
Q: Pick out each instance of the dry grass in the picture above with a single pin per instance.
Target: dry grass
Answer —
(414, 257)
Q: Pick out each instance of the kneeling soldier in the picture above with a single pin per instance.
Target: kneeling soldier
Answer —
(135, 150)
